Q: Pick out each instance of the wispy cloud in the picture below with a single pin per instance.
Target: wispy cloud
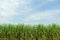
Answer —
(45, 15)
(28, 11)
(40, 3)
(10, 8)
(7, 10)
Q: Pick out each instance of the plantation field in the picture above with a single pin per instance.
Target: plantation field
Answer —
(29, 32)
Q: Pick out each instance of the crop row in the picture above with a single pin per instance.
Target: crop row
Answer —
(29, 32)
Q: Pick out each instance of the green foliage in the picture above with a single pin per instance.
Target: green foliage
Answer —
(29, 32)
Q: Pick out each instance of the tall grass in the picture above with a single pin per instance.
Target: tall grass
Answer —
(29, 32)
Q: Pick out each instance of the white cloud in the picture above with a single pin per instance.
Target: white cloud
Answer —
(8, 9)
(25, 8)
(48, 15)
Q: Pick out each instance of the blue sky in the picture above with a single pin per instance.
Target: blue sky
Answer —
(30, 11)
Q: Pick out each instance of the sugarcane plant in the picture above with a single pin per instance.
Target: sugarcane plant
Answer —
(29, 32)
